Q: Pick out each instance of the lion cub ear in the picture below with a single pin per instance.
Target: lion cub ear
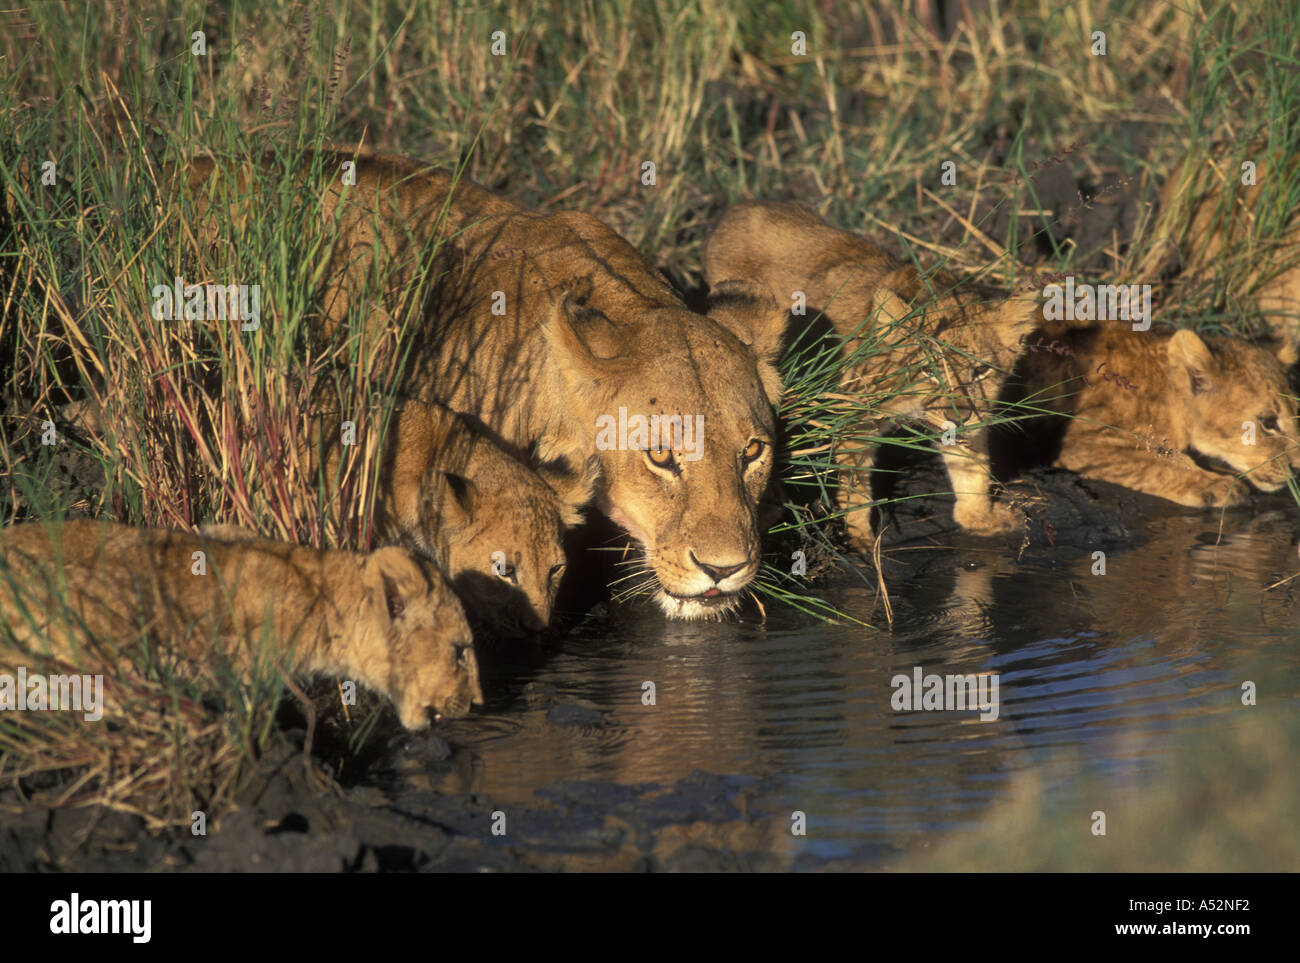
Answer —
(447, 501)
(1190, 355)
(393, 572)
(573, 489)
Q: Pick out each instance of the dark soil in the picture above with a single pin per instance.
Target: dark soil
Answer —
(284, 825)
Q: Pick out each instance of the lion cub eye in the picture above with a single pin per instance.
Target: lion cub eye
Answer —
(557, 572)
(753, 450)
(661, 457)
(509, 575)
(1268, 422)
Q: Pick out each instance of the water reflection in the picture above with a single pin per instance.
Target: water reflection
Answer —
(1097, 673)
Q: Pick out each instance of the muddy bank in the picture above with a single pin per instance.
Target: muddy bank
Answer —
(1061, 510)
(703, 822)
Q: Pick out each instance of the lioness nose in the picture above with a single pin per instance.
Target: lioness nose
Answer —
(717, 572)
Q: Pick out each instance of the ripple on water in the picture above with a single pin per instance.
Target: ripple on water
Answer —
(1096, 674)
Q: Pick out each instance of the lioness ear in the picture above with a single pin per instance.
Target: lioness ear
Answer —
(752, 314)
(1286, 349)
(393, 572)
(581, 337)
(1188, 353)
(573, 489)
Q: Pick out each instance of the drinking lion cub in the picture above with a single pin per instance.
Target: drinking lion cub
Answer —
(1143, 404)
(943, 365)
(382, 619)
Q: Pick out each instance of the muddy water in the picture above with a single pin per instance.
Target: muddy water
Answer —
(1098, 676)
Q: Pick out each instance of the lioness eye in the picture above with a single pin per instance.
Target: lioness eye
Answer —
(753, 450)
(509, 575)
(1269, 422)
(556, 572)
(660, 457)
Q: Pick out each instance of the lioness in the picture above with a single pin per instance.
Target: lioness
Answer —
(1142, 404)
(382, 619)
(493, 526)
(1211, 225)
(944, 366)
(544, 328)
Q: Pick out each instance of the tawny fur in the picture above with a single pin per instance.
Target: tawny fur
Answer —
(384, 620)
(945, 363)
(1143, 403)
(1208, 220)
(492, 525)
(588, 327)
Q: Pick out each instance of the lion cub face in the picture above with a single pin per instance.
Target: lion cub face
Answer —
(490, 523)
(499, 529)
(431, 663)
(1229, 392)
(385, 619)
(678, 409)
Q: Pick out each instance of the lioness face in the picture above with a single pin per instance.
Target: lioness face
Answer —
(430, 648)
(677, 412)
(1239, 408)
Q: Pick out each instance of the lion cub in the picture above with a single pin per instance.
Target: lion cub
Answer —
(493, 526)
(1211, 225)
(1143, 403)
(943, 365)
(382, 619)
